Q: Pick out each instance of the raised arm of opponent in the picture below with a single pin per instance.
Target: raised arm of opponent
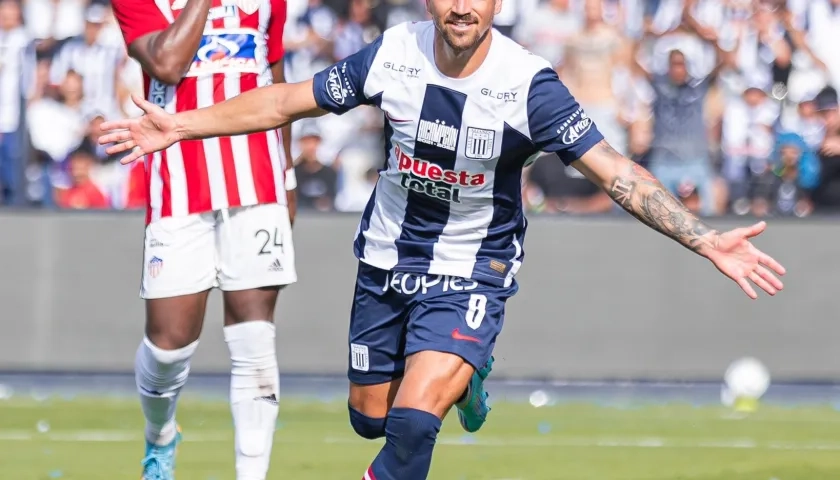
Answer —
(643, 196)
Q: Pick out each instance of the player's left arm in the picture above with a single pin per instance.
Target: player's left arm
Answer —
(558, 124)
(639, 193)
(275, 54)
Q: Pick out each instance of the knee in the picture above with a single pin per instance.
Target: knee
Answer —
(412, 429)
(158, 370)
(366, 427)
(252, 346)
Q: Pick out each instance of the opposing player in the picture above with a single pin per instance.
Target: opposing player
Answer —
(441, 238)
(217, 216)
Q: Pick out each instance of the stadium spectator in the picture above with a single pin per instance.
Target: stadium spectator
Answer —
(784, 187)
(679, 151)
(827, 195)
(99, 64)
(82, 193)
(548, 29)
(317, 184)
(57, 126)
(747, 140)
(13, 89)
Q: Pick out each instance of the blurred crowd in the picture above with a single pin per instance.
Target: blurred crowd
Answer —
(731, 103)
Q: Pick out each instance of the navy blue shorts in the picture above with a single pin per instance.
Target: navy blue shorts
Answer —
(396, 314)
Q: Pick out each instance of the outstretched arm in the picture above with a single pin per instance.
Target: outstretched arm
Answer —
(643, 196)
(257, 110)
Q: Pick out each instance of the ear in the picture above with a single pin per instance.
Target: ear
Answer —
(498, 7)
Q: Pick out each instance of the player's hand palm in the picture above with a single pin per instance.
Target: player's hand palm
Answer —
(154, 131)
(737, 258)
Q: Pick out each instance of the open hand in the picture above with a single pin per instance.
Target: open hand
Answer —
(739, 260)
(153, 132)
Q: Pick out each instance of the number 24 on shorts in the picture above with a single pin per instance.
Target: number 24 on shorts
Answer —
(475, 310)
(276, 240)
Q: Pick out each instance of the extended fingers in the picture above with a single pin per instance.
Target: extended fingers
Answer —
(771, 263)
(746, 287)
(762, 283)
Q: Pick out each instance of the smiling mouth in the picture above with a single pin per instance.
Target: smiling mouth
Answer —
(460, 24)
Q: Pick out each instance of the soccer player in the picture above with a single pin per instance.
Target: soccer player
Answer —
(217, 217)
(441, 238)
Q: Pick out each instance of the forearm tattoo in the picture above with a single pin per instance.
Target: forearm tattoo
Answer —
(644, 197)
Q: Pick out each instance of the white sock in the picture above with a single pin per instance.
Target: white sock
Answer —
(160, 374)
(254, 389)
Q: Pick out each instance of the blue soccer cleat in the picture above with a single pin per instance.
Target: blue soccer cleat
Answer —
(159, 463)
(472, 412)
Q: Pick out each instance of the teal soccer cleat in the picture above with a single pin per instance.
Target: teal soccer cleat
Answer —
(473, 410)
(159, 463)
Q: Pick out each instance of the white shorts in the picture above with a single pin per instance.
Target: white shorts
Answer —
(237, 249)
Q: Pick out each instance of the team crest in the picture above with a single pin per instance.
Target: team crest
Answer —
(155, 266)
(479, 143)
(248, 6)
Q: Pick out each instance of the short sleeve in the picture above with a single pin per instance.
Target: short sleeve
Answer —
(137, 18)
(274, 32)
(340, 88)
(556, 121)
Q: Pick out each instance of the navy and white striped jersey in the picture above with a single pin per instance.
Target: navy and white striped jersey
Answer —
(448, 200)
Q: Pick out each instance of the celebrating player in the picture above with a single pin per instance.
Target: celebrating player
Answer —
(217, 216)
(441, 238)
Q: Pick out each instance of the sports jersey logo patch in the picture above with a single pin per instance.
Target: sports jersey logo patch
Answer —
(437, 134)
(480, 143)
(226, 52)
(333, 85)
(574, 127)
(424, 177)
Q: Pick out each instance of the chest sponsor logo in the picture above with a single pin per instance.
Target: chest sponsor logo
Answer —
(438, 134)
(429, 179)
(224, 53)
(480, 143)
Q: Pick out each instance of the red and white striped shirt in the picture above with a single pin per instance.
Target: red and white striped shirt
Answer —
(242, 38)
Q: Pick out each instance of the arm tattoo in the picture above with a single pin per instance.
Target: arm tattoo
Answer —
(644, 197)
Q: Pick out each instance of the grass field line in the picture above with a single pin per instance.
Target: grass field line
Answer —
(104, 436)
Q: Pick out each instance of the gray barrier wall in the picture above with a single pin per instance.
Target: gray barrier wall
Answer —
(599, 299)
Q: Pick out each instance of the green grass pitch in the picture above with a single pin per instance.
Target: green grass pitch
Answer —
(89, 439)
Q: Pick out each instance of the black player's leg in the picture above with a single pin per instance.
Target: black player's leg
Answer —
(179, 270)
(256, 259)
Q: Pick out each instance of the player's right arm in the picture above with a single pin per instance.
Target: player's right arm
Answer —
(164, 50)
(337, 89)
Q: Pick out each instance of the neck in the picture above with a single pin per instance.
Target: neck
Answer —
(460, 64)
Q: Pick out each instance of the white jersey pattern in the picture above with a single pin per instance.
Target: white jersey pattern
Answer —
(448, 200)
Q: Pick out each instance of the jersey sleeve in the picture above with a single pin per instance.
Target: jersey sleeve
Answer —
(340, 88)
(137, 18)
(274, 32)
(557, 122)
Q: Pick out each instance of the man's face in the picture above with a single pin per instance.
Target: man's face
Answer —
(9, 15)
(831, 118)
(463, 23)
(677, 70)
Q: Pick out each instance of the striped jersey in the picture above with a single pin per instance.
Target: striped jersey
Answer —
(448, 199)
(241, 39)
